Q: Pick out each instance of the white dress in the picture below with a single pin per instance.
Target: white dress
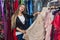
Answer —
(37, 30)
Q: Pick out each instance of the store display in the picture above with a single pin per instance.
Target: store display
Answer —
(40, 27)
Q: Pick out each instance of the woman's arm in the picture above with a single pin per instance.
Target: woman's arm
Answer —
(31, 16)
(23, 31)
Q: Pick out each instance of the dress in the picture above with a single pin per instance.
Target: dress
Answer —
(48, 19)
(37, 30)
(56, 24)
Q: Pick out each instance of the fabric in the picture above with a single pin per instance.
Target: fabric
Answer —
(30, 10)
(48, 19)
(20, 37)
(15, 5)
(8, 21)
(22, 1)
(18, 33)
(14, 34)
(56, 23)
(2, 20)
(22, 19)
(20, 24)
(26, 37)
(52, 33)
(37, 31)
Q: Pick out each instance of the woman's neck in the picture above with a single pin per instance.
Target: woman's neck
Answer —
(20, 14)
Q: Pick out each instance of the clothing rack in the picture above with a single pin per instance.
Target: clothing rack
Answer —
(56, 8)
(53, 3)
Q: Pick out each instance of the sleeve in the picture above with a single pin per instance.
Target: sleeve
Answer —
(29, 16)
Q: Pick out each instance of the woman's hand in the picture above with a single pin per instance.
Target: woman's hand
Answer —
(23, 31)
(36, 13)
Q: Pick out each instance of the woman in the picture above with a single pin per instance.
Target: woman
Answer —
(19, 22)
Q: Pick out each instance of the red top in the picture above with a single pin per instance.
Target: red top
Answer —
(56, 21)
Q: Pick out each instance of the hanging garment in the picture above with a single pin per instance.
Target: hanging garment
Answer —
(54, 11)
(30, 11)
(56, 23)
(6, 32)
(22, 1)
(48, 19)
(14, 34)
(2, 21)
(8, 18)
(36, 31)
(15, 5)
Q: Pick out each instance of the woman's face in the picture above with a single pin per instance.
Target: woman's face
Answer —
(22, 8)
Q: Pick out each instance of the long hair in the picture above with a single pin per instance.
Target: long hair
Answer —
(14, 16)
(13, 19)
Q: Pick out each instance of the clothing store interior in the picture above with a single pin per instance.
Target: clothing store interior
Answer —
(29, 19)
